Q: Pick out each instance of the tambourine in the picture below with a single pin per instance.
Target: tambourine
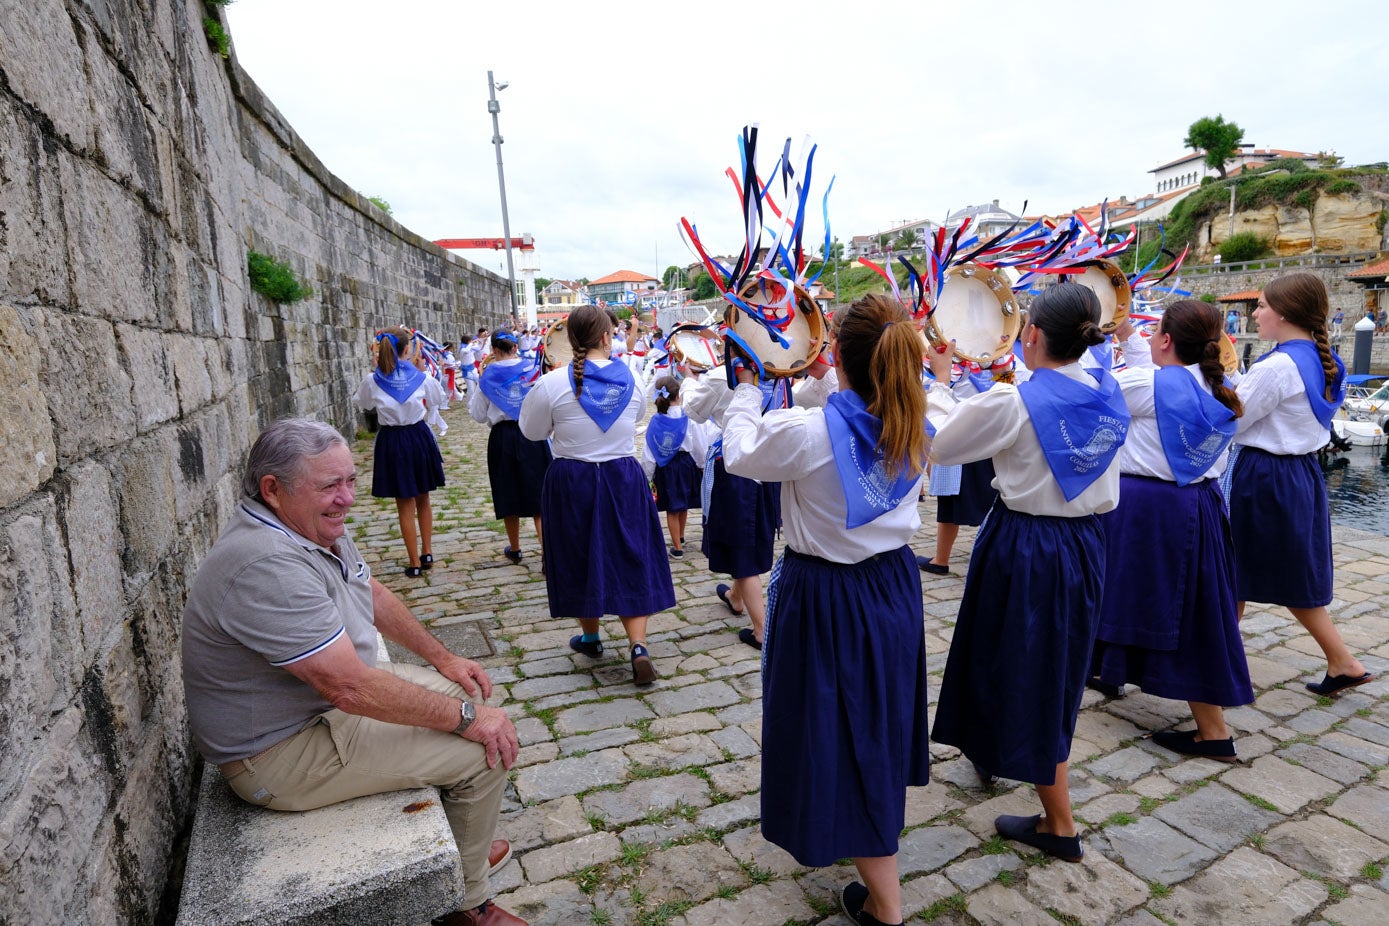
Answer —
(1108, 282)
(696, 346)
(805, 330)
(1228, 358)
(558, 351)
(977, 311)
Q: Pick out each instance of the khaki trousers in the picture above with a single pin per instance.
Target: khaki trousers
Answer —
(340, 756)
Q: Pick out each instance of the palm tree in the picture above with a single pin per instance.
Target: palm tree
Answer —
(906, 240)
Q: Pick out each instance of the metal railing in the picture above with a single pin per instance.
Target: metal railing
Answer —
(1311, 261)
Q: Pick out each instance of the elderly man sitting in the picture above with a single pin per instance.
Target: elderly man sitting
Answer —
(279, 666)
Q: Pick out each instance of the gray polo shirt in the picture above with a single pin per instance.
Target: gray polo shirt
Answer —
(265, 598)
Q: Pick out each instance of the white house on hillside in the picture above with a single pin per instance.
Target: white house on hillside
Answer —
(1188, 169)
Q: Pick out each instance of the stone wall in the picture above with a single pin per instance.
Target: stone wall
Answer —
(1334, 224)
(136, 168)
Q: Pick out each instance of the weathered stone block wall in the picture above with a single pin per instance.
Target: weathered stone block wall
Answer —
(136, 168)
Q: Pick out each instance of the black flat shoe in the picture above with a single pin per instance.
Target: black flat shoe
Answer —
(1334, 683)
(722, 591)
(1185, 742)
(426, 561)
(747, 636)
(851, 901)
(513, 555)
(925, 564)
(592, 649)
(643, 672)
(413, 572)
(1024, 830)
(1104, 688)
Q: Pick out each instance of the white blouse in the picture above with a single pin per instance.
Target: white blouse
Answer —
(428, 395)
(995, 425)
(792, 446)
(552, 410)
(1277, 416)
(696, 442)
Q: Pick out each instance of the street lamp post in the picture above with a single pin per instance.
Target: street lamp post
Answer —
(494, 107)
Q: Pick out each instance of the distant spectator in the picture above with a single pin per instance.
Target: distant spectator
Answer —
(1382, 322)
(1338, 322)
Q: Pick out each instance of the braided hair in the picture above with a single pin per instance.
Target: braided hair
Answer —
(1300, 298)
(585, 327)
(1195, 330)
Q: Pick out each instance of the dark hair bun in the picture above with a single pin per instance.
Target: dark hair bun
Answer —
(1090, 333)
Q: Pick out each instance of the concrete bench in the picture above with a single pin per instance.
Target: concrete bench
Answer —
(384, 860)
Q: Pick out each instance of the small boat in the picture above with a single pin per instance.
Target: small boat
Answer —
(1358, 432)
(1367, 398)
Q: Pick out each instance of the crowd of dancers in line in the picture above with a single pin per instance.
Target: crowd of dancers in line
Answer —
(1109, 554)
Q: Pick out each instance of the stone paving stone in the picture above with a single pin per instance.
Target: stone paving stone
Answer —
(741, 713)
(1312, 721)
(1155, 851)
(920, 893)
(555, 861)
(735, 742)
(571, 776)
(550, 822)
(1367, 807)
(1104, 730)
(979, 819)
(731, 814)
(997, 905)
(973, 873)
(1217, 817)
(1092, 892)
(676, 752)
(694, 698)
(772, 904)
(748, 846)
(592, 742)
(1247, 720)
(1125, 765)
(689, 873)
(1354, 748)
(735, 778)
(601, 716)
(531, 730)
(1245, 888)
(556, 903)
(1324, 762)
(1286, 787)
(1324, 846)
(926, 802)
(1367, 730)
(567, 699)
(1139, 918)
(1284, 702)
(1154, 786)
(931, 847)
(552, 666)
(535, 755)
(657, 834)
(1086, 787)
(1102, 808)
(1190, 769)
(698, 722)
(640, 798)
(1365, 906)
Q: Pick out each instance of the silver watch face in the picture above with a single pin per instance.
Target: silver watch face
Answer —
(469, 712)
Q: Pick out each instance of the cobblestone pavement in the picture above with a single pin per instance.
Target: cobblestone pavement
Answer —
(633, 806)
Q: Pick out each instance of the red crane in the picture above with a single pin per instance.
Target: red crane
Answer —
(524, 243)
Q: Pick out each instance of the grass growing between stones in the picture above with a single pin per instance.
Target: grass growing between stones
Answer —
(955, 903)
(1159, 890)
(1119, 819)
(600, 917)
(755, 874)
(1006, 878)
(1060, 917)
(994, 845)
(1260, 803)
(1334, 889)
(1372, 871)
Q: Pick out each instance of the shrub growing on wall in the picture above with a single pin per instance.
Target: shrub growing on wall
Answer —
(1243, 246)
(275, 280)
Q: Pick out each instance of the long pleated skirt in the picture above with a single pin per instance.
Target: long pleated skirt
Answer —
(1168, 622)
(603, 553)
(516, 470)
(677, 484)
(844, 729)
(1280, 521)
(740, 524)
(1021, 649)
(976, 496)
(406, 461)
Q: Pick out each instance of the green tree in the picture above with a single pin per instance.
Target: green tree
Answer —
(1218, 138)
(906, 240)
(883, 239)
(705, 288)
(837, 250)
(674, 277)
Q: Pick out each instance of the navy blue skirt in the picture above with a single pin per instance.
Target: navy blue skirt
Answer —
(844, 729)
(407, 462)
(603, 554)
(516, 470)
(1021, 649)
(740, 525)
(677, 484)
(975, 498)
(1168, 622)
(1281, 524)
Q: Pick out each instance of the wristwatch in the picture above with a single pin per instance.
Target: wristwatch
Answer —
(469, 714)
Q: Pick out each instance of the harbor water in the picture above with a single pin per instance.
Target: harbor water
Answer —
(1357, 482)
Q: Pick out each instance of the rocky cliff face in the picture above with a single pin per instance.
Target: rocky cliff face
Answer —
(1342, 223)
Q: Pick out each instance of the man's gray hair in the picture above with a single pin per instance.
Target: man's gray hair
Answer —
(282, 448)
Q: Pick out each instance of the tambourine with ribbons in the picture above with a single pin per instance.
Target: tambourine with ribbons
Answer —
(557, 351)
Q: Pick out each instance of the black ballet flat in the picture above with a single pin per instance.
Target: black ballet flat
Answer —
(1024, 830)
(1105, 688)
(1185, 742)
(426, 561)
(934, 569)
(1334, 683)
(747, 636)
(413, 572)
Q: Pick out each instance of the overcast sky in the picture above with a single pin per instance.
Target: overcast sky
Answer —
(621, 117)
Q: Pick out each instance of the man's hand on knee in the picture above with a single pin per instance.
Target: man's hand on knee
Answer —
(494, 730)
(467, 673)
